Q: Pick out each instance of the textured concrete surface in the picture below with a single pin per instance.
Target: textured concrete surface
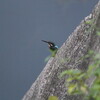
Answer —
(84, 38)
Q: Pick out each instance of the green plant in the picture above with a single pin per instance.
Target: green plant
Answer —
(76, 81)
(53, 98)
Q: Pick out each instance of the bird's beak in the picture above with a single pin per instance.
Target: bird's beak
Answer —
(44, 41)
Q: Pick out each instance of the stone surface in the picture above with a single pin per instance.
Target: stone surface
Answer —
(82, 40)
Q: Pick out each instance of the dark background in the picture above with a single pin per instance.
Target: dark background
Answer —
(23, 24)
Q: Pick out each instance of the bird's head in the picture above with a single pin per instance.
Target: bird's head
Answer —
(53, 48)
(50, 44)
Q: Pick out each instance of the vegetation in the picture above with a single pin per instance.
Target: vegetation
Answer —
(53, 98)
(76, 82)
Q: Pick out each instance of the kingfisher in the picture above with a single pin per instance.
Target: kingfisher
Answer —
(52, 47)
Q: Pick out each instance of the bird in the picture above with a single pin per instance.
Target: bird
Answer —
(52, 47)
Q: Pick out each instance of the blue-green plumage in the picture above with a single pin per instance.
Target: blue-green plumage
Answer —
(53, 48)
